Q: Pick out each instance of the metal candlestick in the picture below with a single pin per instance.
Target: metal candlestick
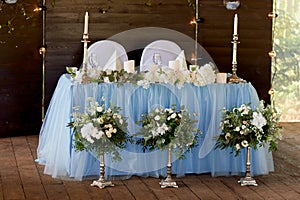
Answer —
(234, 78)
(168, 182)
(85, 41)
(248, 180)
(196, 32)
(101, 183)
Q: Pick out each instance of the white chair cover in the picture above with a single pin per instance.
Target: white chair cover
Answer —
(168, 51)
(101, 52)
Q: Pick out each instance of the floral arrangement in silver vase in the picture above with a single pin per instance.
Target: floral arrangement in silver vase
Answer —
(246, 127)
(99, 130)
(164, 128)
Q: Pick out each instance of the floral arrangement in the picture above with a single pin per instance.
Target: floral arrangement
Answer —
(99, 76)
(99, 130)
(199, 77)
(166, 128)
(244, 126)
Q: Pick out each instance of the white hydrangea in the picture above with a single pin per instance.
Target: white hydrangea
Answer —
(258, 120)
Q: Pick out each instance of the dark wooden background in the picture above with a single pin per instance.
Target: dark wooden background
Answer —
(21, 64)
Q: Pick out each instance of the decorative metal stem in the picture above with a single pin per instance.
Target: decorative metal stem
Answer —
(248, 180)
(101, 183)
(196, 32)
(85, 41)
(42, 51)
(168, 182)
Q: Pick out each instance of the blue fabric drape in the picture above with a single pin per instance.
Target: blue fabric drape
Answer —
(61, 160)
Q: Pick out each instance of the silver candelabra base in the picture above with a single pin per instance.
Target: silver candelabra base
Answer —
(101, 182)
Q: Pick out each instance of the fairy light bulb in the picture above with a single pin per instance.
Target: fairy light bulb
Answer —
(271, 92)
(272, 15)
(193, 21)
(272, 54)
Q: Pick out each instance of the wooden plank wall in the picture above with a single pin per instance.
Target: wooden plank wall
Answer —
(109, 17)
(20, 70)
(65, 27)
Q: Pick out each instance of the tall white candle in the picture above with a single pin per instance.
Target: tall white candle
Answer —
(86, 23)
(235, 26)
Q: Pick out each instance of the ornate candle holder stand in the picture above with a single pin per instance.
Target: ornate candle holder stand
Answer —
(168, 182)
(234, 78)
(101, 183)
(247, 180)
(85, 41)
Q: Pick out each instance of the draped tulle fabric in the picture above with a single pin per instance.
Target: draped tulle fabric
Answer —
(61, 160)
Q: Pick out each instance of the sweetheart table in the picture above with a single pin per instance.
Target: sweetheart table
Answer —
(56, 152)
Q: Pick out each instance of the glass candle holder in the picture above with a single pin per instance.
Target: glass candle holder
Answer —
(231, 4)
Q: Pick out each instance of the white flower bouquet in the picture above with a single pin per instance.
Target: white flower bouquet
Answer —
(199, 77)
(166, 128)
(244, 126)
(100, 130)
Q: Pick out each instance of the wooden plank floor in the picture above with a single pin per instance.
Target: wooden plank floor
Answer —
(22, 178)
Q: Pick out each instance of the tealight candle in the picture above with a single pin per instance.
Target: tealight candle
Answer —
(221, 77)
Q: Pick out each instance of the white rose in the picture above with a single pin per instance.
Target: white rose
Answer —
(100, 120)
(227, 136)
(99, 109)
(173, 115)
(245, 143)
(237, 129)
(108, 134)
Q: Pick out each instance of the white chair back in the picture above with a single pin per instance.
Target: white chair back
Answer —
(99, 53)
(168, 51)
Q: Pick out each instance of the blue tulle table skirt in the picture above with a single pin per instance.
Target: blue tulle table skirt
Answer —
(61, 160)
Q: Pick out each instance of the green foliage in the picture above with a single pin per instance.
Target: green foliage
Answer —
(99, 130)
(166, 128)
(286, 66)
(17, 10)
(244, 126)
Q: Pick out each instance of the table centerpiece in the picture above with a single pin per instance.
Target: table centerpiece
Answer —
(244, 127)
(168, 129)
(100, 130)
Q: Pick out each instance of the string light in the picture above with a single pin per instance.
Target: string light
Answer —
(37, 9)
(272, 54)
(193, 21)
(273, 15)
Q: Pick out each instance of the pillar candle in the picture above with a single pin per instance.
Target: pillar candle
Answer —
(129, 66)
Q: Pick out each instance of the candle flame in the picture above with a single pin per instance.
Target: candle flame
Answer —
(37, 9)
(193, 21)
